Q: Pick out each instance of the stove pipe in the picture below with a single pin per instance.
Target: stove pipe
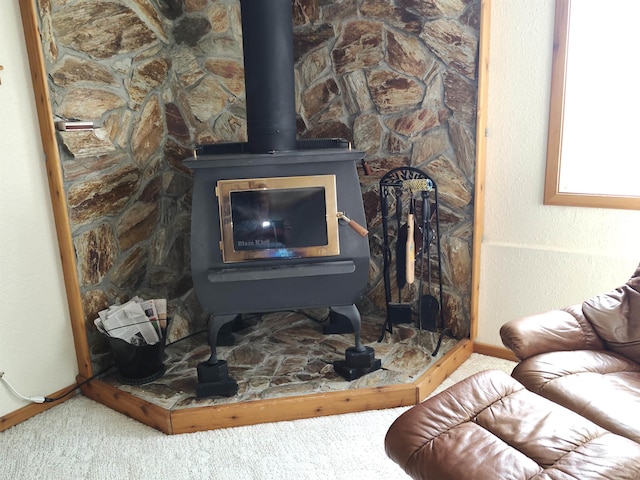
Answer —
(267, 38)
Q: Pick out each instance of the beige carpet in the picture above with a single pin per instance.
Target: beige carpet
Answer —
(82, 439)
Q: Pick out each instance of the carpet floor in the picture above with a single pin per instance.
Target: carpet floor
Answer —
(82, 439)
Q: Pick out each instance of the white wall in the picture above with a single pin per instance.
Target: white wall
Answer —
(36, 344)
(536, 257)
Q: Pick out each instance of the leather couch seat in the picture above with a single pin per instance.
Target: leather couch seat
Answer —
(490, 427)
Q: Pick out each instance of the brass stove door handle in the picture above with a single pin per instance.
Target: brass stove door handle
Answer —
(363, 232)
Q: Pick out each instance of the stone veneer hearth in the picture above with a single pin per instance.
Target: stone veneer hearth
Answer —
(285, 354)
(397, 78)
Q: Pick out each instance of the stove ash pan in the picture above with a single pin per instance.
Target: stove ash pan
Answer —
(271, 283)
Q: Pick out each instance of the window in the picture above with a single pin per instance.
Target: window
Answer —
(592, 157)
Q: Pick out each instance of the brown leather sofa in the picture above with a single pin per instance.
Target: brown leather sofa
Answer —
(585, 357)
(490, 427)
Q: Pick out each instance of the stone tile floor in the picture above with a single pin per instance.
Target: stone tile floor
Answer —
(287, 354)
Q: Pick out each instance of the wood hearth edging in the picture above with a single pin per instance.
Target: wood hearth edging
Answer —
(213, 417)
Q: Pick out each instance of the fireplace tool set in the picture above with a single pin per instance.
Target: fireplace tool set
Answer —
(409, 206)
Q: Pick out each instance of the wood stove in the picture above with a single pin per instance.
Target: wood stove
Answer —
(271, 218)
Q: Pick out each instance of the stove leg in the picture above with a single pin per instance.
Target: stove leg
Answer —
(213, 375)
(337, 324)
(360, 359)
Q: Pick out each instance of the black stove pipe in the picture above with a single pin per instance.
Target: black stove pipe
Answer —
(267, 37)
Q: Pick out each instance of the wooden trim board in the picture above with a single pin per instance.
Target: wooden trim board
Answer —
(481, 160)
(493, 351)
(32, 409)
(291, 408)
(128, 404)
(213, 417)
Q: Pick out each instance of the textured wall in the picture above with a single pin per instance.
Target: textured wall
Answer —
(36, 345)
(398, 79)
(536, 257)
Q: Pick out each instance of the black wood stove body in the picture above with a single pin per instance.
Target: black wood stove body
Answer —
(272, 217)
(280, 280)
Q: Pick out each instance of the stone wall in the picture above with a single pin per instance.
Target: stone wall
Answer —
(397, 78)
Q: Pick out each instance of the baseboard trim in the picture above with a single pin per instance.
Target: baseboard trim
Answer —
(493, 351)
(33, 409)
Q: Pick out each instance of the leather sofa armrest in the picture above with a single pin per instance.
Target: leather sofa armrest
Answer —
(555, 330)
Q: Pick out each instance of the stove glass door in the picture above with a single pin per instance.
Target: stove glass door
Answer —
(280, 217)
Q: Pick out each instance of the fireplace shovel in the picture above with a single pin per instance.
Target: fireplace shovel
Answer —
(429, 309)
(429, 305)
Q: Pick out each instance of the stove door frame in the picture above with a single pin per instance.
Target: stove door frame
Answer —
(224, 189)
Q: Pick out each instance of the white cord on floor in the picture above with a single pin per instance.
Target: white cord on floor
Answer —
(13, 390)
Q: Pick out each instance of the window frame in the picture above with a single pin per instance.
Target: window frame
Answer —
(552, 193)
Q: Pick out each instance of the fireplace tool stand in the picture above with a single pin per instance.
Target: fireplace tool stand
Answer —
(415, 229)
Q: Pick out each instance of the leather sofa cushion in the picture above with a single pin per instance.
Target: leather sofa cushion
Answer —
(565, 329)
(489, 426)
(615, 316)
(600, 385)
